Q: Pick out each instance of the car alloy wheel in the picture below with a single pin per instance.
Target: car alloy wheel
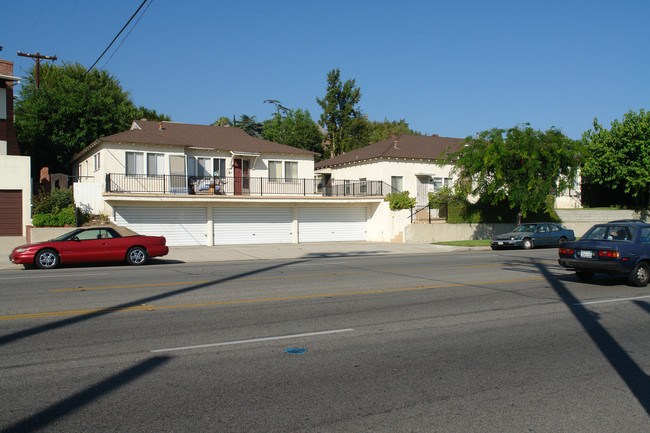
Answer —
(640, 275)
(47, 259)
(527, 244)
(136, 256)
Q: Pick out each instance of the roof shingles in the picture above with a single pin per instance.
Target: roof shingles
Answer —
(201, 136)
(402, 146)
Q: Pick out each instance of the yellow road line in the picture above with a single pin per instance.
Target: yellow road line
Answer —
(146, 307)
(332, 274)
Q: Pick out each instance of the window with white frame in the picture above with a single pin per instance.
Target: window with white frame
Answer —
(134, 163)
(290, 171)
(191, 166)
(203, 167)
(219, 167)
(437, 184)
(155, 165)
(280, 171)
(275, 171)
(397, 182)
(96, 161)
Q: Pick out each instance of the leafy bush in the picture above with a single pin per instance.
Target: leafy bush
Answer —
(400, 200)
(52, 202)
(59, 218)
(462, 211)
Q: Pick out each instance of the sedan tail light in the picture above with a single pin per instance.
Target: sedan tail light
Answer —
(610, 254)
(566, 251)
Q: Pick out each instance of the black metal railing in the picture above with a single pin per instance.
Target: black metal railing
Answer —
(246, 186)
(428, 214)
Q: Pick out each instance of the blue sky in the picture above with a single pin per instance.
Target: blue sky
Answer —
(447, 67)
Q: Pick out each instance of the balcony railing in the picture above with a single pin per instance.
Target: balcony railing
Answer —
(245, 186)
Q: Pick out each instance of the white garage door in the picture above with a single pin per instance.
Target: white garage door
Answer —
(181, 226)
(332, 224)
(264, 225)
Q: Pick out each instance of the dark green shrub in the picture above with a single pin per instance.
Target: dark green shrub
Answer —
(400, 200)
(59, 218)
(51, 202)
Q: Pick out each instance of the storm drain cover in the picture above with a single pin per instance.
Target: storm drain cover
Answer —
(295, 350)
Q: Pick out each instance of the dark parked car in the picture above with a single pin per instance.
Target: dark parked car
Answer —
(88, 245)
(530, 235)
(613, 248)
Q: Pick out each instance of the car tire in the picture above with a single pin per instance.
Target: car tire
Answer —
(46, 259)
(584, 275)
(136, 256)
(640, 275)
(527, 244)
(563, 241)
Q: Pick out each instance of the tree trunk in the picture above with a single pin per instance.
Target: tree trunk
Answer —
(519, 214)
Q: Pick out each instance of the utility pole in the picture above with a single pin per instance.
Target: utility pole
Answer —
(37, 58)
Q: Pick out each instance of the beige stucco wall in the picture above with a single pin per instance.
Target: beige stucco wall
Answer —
(113, 159)
(15, 175)
(384, 169)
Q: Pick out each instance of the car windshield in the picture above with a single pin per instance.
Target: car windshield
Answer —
(525, 228)
(610, 233)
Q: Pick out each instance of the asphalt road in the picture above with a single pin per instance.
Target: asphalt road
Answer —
(476, 342)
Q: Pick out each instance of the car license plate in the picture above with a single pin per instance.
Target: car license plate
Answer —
(500, 243)
(586, 254)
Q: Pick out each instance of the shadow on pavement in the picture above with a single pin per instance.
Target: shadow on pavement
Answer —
(634, 377)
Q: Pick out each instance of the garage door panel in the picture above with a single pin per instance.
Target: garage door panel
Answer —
(11, 209)
(180, 226)
(234, 226)
(332, 224)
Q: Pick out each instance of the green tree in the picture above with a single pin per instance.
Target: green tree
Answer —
(71, 109)
(520, 165)
(295, 128)
(249, 124)
(619, 158)
(222, 121)
(346, 127)
(382, 130)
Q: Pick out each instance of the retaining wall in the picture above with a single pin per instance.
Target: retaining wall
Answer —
(579, 220)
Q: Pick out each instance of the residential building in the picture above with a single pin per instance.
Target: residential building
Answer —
(212, 185)
(15, 182)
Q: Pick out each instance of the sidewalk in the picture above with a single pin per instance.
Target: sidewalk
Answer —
(284, 251)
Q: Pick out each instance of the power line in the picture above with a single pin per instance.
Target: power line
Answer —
(115, 38)
(127, 35)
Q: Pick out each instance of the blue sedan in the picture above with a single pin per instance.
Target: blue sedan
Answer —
(531, 235)
(615, 248)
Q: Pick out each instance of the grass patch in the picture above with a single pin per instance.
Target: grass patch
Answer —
(469, 243)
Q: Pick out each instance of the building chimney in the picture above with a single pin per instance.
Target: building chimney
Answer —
(392, 134)
(160, 128)
(6, 67)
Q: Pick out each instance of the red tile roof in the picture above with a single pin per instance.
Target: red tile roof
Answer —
(401, 146)
(201, 136)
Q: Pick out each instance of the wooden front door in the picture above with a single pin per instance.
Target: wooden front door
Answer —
(242, 176)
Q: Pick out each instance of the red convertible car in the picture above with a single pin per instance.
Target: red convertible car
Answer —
(88, 245)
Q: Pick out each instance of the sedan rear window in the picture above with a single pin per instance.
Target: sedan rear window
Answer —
(610, 233)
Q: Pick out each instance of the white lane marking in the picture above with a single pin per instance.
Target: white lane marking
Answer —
(252, 340)
(611, 300)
